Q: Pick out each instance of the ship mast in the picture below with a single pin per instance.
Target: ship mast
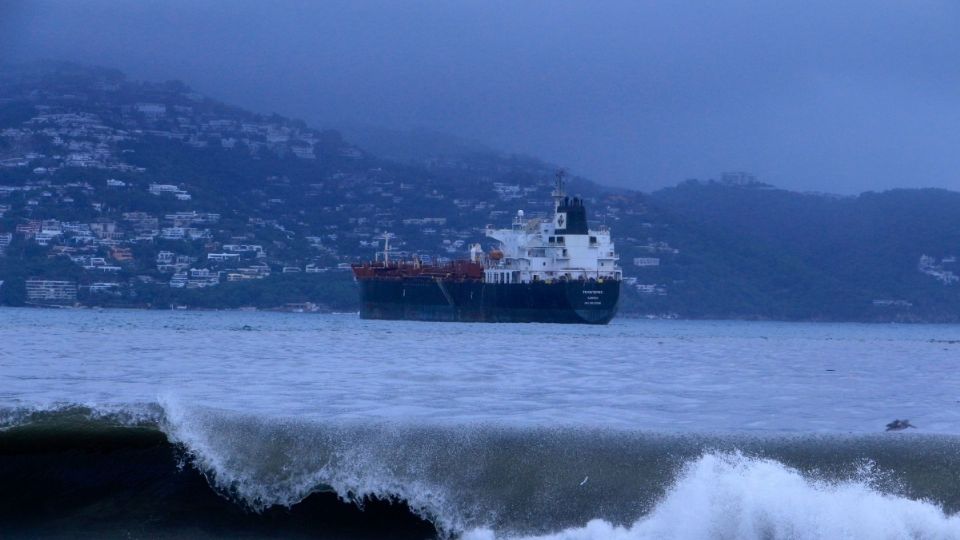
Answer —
(386, 247)
(558, 193)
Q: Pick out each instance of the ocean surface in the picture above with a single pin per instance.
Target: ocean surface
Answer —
(148, 424)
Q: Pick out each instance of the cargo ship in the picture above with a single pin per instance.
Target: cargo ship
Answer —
(540, 270)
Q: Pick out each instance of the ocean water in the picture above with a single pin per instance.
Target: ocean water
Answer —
(228, 424)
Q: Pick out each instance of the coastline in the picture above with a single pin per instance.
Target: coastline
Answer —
(632, 315)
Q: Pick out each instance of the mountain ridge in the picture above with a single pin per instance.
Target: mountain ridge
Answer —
(95, 167)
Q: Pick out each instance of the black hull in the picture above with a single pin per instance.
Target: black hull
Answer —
(425, 299)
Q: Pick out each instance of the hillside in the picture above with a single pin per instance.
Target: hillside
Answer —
(784, 255)
(151, 195)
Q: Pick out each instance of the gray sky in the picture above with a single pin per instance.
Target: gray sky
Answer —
(812, 95)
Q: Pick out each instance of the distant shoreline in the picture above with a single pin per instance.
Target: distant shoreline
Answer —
(630, 315)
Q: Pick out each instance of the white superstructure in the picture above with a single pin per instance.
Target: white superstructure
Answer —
(561, 249)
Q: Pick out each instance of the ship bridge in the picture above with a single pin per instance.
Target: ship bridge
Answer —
(563, 248)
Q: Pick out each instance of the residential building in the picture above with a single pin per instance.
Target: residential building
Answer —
(223, 256)
(152, 110)
(242, 248)
(179, 280)
(160, 189)
(29, 229)
(106, 286)
(173, 233)
(202, 277)
(51, 291)
(121, 254)
(5, 240)
(646, 261)
(44, 238)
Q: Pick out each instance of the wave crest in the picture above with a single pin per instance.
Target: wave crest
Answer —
(515, 483)
(264, 463)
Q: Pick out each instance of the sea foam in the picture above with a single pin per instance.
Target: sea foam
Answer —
(731, 496)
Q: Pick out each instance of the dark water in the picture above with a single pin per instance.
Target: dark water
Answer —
(68, 478)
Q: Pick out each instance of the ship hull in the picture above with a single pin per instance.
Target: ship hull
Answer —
(430, 299)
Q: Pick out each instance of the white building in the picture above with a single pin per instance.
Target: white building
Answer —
(5, 240)
(173, 233)
(223, 256)
(105, 286)
(44, 238)
(160, 189)
(242, 248)
(51, 291)
(179, 280)
(153, 110)
(202, 277)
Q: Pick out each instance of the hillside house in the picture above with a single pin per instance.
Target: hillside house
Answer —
(51, 291)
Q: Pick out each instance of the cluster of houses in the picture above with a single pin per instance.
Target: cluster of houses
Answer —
(106, 248)
(196, 127)
(77, 139)
(85, 237)
(646, 263)
(315, 227)
(109, 245)
(939, 269)
(234, 262)
(86, 129)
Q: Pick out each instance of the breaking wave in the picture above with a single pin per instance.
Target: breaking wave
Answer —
(730, 496)
(169, 469)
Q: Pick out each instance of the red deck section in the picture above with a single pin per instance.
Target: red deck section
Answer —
(456, 270)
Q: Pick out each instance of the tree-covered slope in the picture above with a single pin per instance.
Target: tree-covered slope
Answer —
(812, 256)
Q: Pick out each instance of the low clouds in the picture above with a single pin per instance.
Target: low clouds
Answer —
(808, 95)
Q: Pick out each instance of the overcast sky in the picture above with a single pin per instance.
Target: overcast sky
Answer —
(838, 96)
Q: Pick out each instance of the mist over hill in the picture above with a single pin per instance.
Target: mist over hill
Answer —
(152, 195)
(414, 145)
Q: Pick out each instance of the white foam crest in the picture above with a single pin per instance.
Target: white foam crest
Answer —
(267, 463)
(730, 496)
